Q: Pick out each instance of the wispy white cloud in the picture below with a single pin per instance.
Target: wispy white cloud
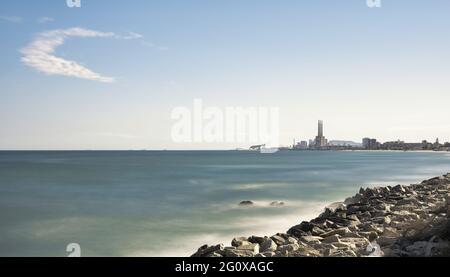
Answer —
(131, 35)
(12, 19)
(45, 19)
(155, 46)
(39, 54)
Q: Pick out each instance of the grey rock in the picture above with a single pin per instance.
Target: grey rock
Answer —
(399, 219)
(339, 231)
(310, 239)
(331, 239)
(246, 203)
(302, 229)
(268, 245)
(256, 239)
(208, 250)
(236, 242)
(235, 253)
(279, 240)
(353, 200)
(254, 248)
(277, 204)
(386, 241)
(269, 253)
(399, 188)
(288, 247)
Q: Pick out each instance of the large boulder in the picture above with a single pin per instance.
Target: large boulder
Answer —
(239, 241)
(256, 239)
(288, 247)
(246, 203)
(279, 240)
(268, 245)
(339, 231)
(311, 239)
(302, 229)
(331, 239)
(253, 247)
(206, 250)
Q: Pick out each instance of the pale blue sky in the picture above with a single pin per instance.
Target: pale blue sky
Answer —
(380, 72)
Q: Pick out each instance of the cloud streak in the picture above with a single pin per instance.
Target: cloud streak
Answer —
(39, 54)
(45, 19)
(12, 19)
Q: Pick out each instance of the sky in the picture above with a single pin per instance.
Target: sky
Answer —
(109, 74)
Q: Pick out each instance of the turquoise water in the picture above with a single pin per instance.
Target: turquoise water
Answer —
(168, 203)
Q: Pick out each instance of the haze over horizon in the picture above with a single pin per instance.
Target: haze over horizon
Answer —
(108, 75)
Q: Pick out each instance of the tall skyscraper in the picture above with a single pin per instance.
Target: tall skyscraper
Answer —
(320, 133)
(320, 140)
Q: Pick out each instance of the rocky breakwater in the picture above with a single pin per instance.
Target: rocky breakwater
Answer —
(382, 221)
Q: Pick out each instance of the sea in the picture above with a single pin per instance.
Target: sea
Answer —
(169, 203)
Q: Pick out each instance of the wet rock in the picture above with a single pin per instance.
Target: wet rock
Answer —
(246, 203)
(277, 204)
(398, 221)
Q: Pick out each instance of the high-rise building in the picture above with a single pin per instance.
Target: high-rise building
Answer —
(370, 143)
(320, 132)
(366, 143)
(320, 140)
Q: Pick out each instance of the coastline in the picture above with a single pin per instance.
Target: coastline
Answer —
(402, 220)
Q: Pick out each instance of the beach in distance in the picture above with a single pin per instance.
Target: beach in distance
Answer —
(168, 203)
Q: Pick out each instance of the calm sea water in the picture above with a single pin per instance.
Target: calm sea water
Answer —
(169, 203)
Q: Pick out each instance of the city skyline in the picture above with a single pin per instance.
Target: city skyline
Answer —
(74, 78)
(320, 142)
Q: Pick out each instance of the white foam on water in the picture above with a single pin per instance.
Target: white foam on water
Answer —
(245, 225)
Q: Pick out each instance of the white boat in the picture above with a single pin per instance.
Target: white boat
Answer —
(270, 150)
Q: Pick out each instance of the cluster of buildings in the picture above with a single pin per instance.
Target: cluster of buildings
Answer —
(321, 143)
(401, 145)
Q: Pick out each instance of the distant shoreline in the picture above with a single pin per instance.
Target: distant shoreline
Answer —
(230, 150)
